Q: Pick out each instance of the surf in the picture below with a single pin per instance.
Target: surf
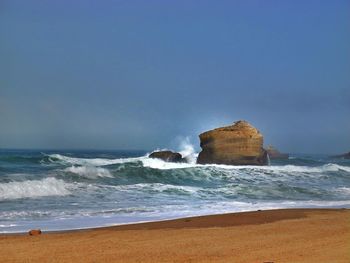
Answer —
(33, 189)
(83, 189)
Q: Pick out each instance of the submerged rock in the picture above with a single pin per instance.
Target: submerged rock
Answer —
(276, 154)
(168, 156)
(342, 156)
(237, 144)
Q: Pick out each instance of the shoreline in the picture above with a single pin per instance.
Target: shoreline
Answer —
(343, 205)
(280, 235)
(169, 221)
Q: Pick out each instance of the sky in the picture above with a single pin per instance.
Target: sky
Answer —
(146, 74)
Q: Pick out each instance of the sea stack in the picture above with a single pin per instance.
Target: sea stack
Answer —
(168, 156)
(237, 144)
(276, 154)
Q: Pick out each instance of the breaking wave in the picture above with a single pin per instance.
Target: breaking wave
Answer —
(91, 168)
(34, 188)
(90, 161)
(330, 167)
(80, 189)
(187, 151)
(156, 188)
(90, 172)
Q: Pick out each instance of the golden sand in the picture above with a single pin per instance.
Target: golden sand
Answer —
(287, 235)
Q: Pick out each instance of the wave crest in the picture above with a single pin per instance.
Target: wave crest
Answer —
(33, 188)
(90, 161)
(90, 172)
(162, 165)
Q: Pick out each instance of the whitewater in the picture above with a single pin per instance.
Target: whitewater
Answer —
(61, 190)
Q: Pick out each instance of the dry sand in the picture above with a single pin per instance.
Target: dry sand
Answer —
(289, 235)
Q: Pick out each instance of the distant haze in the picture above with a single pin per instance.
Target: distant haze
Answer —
(147, 74)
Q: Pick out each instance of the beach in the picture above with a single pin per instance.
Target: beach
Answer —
(284, 235)
(175, 131)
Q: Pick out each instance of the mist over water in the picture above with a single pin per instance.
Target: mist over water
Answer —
(56, 190)
(187, 150)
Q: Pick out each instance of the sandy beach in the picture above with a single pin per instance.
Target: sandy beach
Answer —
(286, 235)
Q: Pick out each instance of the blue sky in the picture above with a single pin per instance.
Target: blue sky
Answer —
(142, 74)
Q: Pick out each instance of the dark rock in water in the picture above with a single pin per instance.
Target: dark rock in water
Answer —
(34, 232)
(168, 156)
(342, 156)
(276, 154)
(237, 144)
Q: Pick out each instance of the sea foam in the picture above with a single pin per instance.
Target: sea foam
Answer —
(90, 172)
(90, 161)
(34, 188)
(189, 152)
(57, 195)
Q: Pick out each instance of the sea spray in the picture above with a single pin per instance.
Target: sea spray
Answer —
(65, 190)
(187, 150)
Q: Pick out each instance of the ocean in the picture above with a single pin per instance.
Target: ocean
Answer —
(61, 190)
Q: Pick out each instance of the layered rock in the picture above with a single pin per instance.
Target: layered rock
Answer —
(237, 144)
(168, 156)
(276, 154)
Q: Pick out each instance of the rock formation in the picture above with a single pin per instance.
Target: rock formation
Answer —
(276, 154)
(342, 156)
(168, 156)
(34, 232)
(237, 144)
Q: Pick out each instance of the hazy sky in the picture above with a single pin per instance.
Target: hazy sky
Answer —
(142, 74)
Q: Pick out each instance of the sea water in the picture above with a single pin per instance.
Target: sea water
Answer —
(60, 190)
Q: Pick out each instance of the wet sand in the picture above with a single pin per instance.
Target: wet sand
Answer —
(286, 235)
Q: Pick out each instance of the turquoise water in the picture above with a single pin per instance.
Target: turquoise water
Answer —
(56, 190)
